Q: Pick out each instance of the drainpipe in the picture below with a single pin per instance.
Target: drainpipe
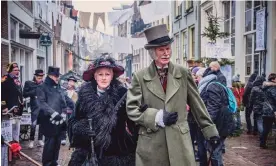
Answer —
(265, 39)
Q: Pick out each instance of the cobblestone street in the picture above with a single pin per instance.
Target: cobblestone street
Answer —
(240, 151)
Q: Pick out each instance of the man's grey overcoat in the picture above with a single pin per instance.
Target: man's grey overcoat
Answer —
(169, 146)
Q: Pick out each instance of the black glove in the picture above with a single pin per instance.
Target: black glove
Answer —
(214, 142)
(143, 108)
(169, 118)
(57, 119)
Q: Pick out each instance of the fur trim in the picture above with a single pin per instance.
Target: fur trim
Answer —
(101, 110)
(205, 80)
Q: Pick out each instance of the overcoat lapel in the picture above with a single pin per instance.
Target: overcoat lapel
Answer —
(173, 85)
(153, 83)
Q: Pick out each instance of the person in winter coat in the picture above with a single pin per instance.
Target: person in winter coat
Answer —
(248, 110)
(256, 103)
(238, 91)
(166, 88)
(73, 95)
(102, 99)
(53, 104)
(30, 91)
(269, 107)
(215, 99)
(215, 66)
(11, 93)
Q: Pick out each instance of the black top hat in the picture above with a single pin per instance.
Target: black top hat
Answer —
(100, 63)
(39, 72)
(72, 78)
(157, 36)
(53, 71)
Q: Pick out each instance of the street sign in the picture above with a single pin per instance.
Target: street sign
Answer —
(45, 39)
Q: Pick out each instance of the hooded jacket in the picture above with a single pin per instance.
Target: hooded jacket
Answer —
(248, 89)
(257, 96)
(269, 89)
(212, 94)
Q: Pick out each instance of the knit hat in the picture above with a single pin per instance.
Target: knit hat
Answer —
(236, 78)
(200, 72)
(195, 69)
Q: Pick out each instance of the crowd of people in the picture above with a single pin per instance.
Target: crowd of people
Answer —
(165, 115)
(260, 99)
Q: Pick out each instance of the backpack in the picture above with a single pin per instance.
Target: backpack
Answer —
(232, 102)
(225, 121)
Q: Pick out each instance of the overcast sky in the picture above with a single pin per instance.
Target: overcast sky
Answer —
(99, 6)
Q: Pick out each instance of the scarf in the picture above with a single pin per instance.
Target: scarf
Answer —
(163, 76)
(205, 81)
(15, 79)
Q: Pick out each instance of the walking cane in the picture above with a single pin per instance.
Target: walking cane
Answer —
(24, 155)
(93, 159)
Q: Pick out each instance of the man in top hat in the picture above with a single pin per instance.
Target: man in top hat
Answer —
(165, 89)
(30, 91)
(11, 93)
(53, 106)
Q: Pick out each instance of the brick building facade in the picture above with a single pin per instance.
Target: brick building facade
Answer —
(4, 37)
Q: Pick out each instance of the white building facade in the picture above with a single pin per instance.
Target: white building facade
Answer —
(21, 51)
(239, 19)
(186, 31)
(34, 16)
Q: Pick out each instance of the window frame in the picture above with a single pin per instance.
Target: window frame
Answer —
(177, 9)
(184, 37)
(230, 20)
(191, 42)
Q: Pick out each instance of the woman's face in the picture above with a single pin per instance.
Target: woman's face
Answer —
(103, 77)
(198, 78)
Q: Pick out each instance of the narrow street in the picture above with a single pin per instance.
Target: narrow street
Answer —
(240, 151)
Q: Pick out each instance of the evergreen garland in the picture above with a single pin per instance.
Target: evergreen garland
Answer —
(212, 32)
(222, 61)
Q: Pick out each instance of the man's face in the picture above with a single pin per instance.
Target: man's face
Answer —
(15, 71)
(274, 80)
(103, 77)
(39, 79)
(71, 83)
(54, 78)
(163, 55)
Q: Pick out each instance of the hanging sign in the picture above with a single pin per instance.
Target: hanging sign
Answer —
(260, 30)
(45, 39)
(218, 51)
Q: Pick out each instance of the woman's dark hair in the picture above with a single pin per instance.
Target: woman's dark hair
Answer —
(271, 76)
(34, 79)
